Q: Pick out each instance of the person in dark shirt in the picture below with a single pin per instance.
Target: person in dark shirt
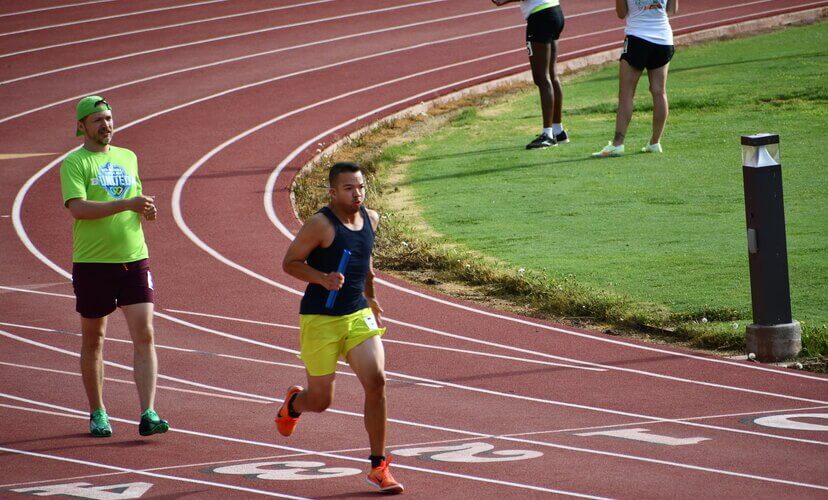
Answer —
(350, 327)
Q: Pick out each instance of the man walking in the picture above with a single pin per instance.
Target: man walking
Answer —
(102, 190)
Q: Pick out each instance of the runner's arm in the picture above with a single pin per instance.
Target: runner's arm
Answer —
(370, 292)
(503, 2)
(312, 235)
(86, 210)
(672, 7)
(621, 8)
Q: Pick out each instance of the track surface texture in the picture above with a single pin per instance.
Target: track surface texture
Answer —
(224, 101)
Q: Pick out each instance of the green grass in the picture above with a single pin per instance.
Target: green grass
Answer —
(657, 232)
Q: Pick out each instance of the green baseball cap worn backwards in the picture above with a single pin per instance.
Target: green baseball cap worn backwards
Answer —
(87, 106)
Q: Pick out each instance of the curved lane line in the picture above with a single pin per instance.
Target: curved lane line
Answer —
(116, 16)
(156, 475)
(484, 436)
(279, 50)
(163, 27)
(72, 412)
(268, 195)
(648, 418)
(56, 7)
(214, 39)
(35, 251)
(209, 40)
(401, 342)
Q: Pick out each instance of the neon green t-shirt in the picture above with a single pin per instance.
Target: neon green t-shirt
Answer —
(106, 176)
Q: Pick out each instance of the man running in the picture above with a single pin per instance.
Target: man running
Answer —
(102, 190)
(350, 328)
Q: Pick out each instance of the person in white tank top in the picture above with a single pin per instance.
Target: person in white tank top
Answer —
(648, 45)
(544, 23)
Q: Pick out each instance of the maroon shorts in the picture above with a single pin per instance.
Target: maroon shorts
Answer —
(100, 288)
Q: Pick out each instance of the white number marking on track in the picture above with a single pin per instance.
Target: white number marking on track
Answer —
(788, 422)
(646, 436)
(86, 490)
(467, 452)
(287, 471)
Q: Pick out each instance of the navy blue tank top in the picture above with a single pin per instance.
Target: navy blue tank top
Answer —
(360, 243)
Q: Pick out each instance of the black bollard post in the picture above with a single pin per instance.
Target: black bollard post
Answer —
(774, 335)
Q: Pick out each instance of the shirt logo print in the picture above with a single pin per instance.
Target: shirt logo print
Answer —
(115, 180)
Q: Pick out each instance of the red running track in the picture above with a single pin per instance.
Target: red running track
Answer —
(223, 102)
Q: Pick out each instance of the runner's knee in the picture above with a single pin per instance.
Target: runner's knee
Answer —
(317, 399)
(143, 336)
(543, 82)
(375, 384)
(658, 90)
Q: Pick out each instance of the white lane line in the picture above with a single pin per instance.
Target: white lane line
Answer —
(648, 420)
(268, 195)
(156, 475)
(269, 187)
(64, 6)
(295, 366)
(35, 251)
(270, 52)
(166, 26)
(24, 238)
(130, 382)
(484, 436)
(419, 379)
(231, 318)
(214, 39)
(515, 396)
(300, 450)
(30, 246)
(401, 342)
(37, 292)
(384, 340)
(115, 16)
(489, 355)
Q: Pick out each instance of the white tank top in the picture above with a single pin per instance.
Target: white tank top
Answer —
(527, 7)
(648, 19)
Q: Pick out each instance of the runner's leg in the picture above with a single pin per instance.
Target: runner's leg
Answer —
(93, 331)
(145, 362)
(661, 108)
(540, 62)
(368, 362)
(627, 81)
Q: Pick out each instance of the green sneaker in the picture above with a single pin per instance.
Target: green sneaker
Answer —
(99, 423)
(151, 424)
(609, 151)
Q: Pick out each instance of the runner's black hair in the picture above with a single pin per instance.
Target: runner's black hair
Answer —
(338, 168)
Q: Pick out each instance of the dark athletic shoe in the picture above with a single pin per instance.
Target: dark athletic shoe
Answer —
(151, 424)
(99, 423)
(562, 138)
(542, 141)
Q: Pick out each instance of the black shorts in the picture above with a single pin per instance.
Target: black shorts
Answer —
(100, 288)
(545, 26)
(643, 54)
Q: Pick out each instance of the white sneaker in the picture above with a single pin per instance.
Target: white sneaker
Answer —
(652, 148)
(609, 151)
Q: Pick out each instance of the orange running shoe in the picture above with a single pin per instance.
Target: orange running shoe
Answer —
(284, 422)
(381, 478)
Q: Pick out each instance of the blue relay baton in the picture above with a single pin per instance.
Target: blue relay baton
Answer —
(343, 265)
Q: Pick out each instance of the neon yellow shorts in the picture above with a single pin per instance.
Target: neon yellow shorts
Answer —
(323, 339)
